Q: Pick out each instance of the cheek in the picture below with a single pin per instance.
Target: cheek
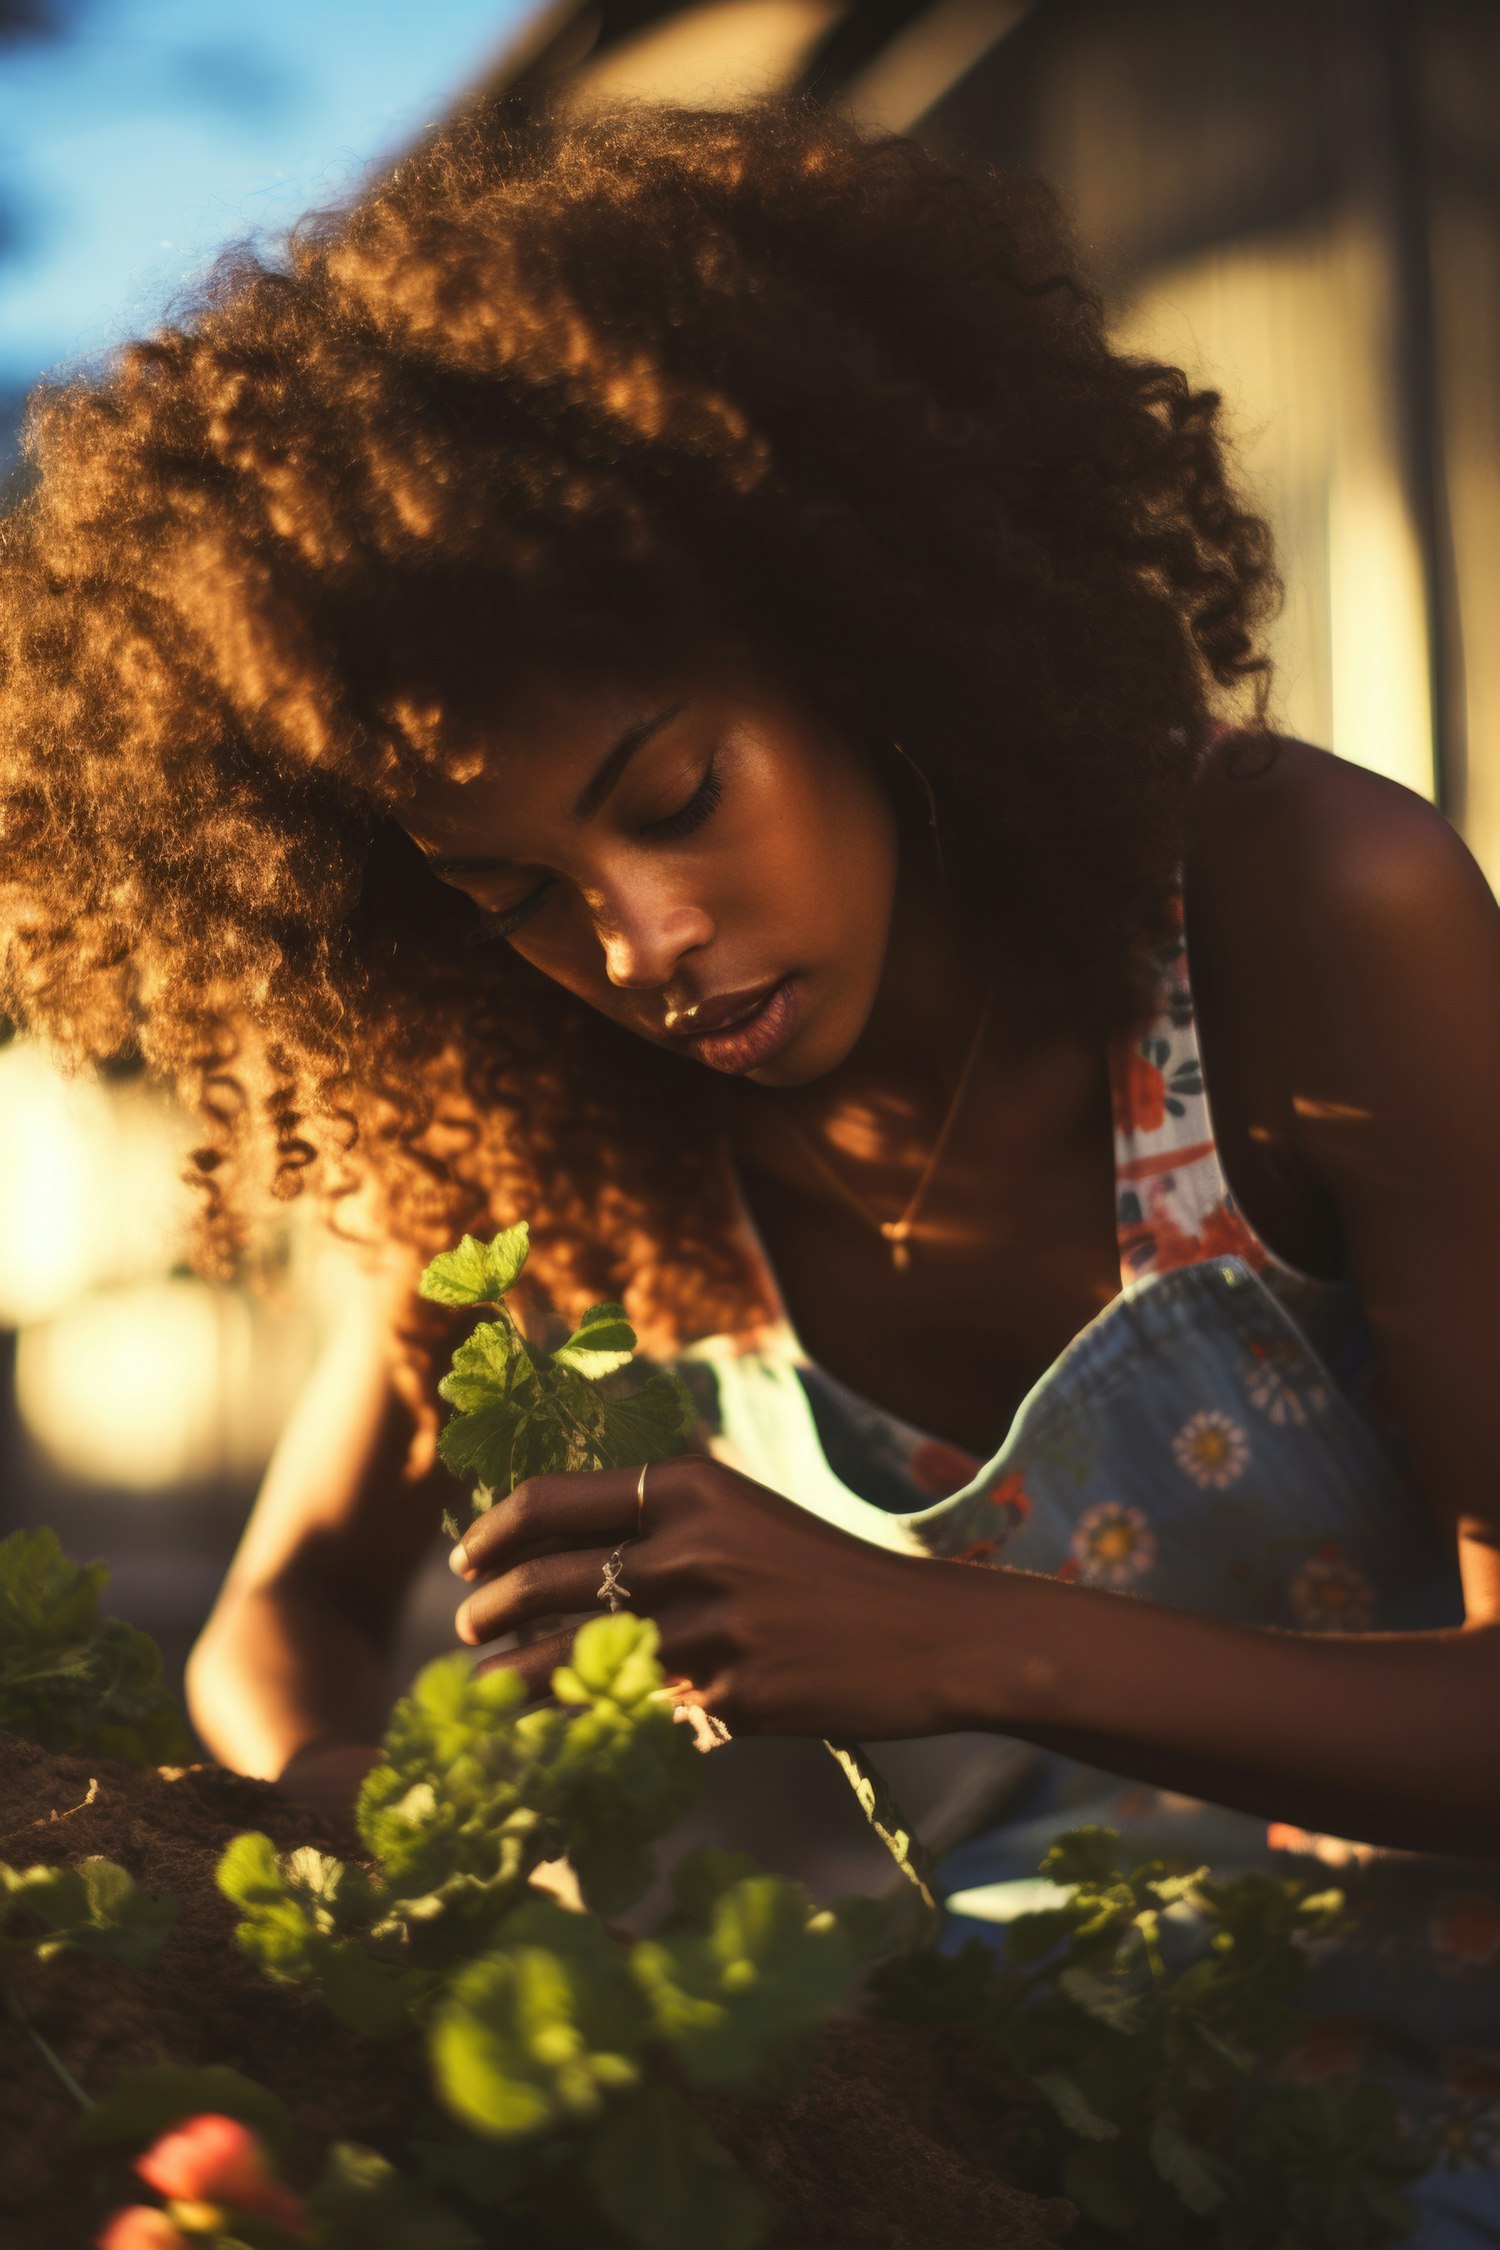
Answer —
(819, 856)
(847, 853)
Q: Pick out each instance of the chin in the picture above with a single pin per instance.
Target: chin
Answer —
(820, 1047)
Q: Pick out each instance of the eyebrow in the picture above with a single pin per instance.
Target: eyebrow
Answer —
(591, 796)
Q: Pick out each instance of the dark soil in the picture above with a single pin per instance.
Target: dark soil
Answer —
(897, 2140)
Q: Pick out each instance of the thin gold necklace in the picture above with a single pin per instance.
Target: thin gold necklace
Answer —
(897, 1232)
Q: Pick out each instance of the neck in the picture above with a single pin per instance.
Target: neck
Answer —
(886, 1101)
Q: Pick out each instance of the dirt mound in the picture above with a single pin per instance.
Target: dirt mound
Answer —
(897, 2140)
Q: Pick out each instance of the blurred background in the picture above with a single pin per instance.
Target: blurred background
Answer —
(1296, 200)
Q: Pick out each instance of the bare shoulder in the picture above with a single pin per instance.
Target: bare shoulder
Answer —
(1299, 861)
(1342, 939)
(1269, 804)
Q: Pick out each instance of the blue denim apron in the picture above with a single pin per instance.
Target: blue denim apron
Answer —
(1215, 1439)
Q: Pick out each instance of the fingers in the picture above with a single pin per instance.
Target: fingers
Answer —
(535, 1664)
(546, 1586)
(596, 1505)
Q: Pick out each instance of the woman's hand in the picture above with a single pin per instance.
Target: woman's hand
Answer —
(782, 1623)
(327, 1776)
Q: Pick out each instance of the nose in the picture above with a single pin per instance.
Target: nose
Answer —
(645, 938)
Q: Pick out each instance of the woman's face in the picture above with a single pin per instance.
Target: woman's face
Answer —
(695, 855)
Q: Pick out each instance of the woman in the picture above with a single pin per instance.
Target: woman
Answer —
(659, 674)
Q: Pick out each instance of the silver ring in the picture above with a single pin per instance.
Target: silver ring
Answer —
(611, 1591)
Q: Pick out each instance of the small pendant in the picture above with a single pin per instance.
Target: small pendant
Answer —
(896, 1232)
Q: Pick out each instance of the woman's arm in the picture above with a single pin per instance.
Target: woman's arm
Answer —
(1387, 1738)
(1344, 926)
(294, 1654)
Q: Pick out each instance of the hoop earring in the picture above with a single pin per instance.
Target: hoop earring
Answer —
(932, 818)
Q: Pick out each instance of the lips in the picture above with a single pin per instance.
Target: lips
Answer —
(755, 1035)
(723, 1009)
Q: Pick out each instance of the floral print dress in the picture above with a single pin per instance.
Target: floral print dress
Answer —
(1216, 1439)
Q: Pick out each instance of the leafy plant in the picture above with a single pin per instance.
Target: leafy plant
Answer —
(94, 1908)
(544, 2032)
(71, 1679)
(1161, 2113)
(522, 1412)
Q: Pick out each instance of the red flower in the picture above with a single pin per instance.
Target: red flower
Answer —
(213, 2159)
(142, 2227)
(1223, 1235)
(1140, 1094)
(1011, 1493)
(980, 1552)
(1067, 1568)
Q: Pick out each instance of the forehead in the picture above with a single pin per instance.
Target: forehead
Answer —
(537, 745)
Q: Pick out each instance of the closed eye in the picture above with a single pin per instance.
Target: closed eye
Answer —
(495, 927)
(694, 813)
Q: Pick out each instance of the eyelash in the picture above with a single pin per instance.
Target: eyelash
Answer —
(684, 822)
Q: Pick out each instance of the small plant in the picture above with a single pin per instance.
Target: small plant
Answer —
(522, 1412)
(1162, 2115)
(558, 2052)
(93, 1908)
(70, 1678)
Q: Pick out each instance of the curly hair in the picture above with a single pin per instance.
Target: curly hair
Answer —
(571, 388)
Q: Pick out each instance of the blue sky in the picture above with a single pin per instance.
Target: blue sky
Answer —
(154, 131)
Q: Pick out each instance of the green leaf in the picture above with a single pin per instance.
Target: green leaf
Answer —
(1105, 1999)
(1184, 2166)
(664, 2179)
(477, 1273)
(361, 2202)
(94, 1907)
(489, 1364)
(602, 1341)
(249, 1873)
(542, 2035)
(362, 1992)
(307, 1917)
(651, 1424)
(144, 2103)
(739, 2002)
(539, 1447)
(481, 1442)
(69, 1678)
(1083, 1855)
(1073, 2106)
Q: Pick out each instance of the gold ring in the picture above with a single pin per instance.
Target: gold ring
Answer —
(640, 1499)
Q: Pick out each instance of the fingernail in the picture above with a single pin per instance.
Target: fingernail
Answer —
(462, 1627)
(458, 1562)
